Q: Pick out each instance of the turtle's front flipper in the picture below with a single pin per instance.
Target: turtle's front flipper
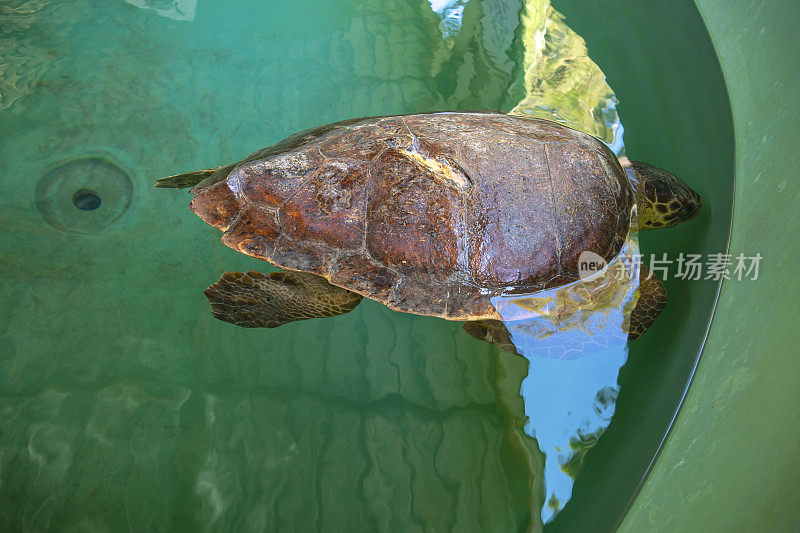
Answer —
(652, 298)
(256, 300)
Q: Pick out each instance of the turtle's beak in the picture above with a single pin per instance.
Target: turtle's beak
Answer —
(691, 207)
(683, 204)
(216, 205)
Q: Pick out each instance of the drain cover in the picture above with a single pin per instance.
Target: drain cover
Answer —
(84, 196)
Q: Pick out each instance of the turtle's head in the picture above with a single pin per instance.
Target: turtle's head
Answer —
(664, 199)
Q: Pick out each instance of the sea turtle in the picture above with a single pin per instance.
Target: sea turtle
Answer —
(431, 214)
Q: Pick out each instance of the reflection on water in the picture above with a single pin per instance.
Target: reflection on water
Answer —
(452, 12)
(575, 339)
(561, 81)
(173, 9)
(23, 61)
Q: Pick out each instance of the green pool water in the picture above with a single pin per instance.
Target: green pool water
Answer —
(124, 404)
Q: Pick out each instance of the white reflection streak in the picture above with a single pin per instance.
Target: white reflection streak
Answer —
(174, 9)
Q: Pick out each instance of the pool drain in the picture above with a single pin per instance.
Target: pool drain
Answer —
(84, 195)
(86, 200)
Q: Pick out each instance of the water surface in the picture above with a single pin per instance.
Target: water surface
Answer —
(124, 404)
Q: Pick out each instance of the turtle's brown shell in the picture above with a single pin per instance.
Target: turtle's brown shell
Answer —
(430, 214)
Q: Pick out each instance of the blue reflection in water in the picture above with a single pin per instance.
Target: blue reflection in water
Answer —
(569, 403)
(618, 144)
(575, 340)
(451, 12)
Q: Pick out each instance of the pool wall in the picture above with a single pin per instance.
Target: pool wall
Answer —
(731, 460)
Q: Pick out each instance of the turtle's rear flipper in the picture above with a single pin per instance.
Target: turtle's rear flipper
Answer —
(493, 332)
(652, 298)
(256, 300)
